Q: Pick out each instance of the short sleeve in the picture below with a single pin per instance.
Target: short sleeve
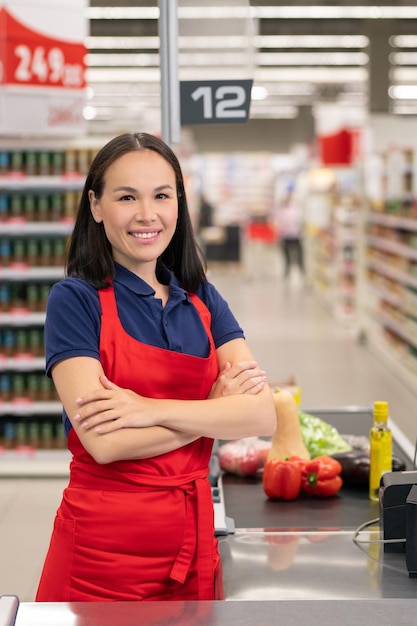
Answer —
(224, 325)
(72, 325)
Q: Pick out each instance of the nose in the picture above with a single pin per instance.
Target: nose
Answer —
(145, 211)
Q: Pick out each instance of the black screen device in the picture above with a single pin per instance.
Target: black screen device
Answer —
(393, 493)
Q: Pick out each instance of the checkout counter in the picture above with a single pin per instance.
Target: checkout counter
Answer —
(302, 562)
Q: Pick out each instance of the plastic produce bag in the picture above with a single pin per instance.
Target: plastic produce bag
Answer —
(243, 457)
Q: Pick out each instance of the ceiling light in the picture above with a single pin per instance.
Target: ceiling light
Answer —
(258, 12)
(122, 13)
(312, 58)
(403, 58)
(401, 109)
(311, 41)
(332, 75)
(232, 41)
(122, 43)
(122, 60)
(402, 74)
(274, 111)
(335, 12)
(123, 75)
(89, 112)
(259, 93)
(403, 41)
(403, 92)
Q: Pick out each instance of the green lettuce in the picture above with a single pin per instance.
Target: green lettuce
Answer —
(320, 438)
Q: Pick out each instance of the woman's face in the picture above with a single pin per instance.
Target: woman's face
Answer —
(138, 208)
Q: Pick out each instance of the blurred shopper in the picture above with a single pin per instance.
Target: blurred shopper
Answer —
(205, 214)
(290, 226)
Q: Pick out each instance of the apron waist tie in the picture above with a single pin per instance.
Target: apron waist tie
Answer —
(203, 538)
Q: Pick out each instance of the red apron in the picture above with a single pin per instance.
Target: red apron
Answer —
(138, 530)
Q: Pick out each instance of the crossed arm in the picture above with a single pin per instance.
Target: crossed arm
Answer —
(117, 424)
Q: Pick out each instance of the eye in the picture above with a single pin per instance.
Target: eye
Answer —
(161, 196)
(127, 198)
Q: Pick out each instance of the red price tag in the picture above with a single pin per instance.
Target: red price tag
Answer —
(34, 59)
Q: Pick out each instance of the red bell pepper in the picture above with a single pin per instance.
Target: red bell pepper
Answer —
(282, 479)
(321, 477)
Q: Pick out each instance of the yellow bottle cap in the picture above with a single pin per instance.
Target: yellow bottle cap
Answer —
(380, 411)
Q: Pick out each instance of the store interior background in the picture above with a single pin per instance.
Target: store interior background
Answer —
(333, 113)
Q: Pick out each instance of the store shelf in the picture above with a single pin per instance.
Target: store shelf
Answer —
(391, 272)
(393, 221)
(22, 408)
(71, 182)
(392, 247)
(39, 195)
(24, 363)
(23, 228)
(390, 268)
(31, 273)
(34, 463)
(22, 318)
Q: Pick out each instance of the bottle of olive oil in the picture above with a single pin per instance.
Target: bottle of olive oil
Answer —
(380, 439)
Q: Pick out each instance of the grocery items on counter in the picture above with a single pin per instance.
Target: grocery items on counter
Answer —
(300, 438)
(298, 434)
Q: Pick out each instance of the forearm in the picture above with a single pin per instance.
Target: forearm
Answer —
(129, 444)
(229, 417)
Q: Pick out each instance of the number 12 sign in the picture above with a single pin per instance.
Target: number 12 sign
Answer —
(215, 101)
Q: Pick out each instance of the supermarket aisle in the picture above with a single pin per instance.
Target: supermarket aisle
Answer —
(290, 333)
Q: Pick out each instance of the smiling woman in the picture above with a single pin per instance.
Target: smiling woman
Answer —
(150, 365)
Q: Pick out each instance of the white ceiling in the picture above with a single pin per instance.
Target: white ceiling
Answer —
(297, 55)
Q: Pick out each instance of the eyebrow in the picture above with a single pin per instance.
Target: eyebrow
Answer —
(133, 190)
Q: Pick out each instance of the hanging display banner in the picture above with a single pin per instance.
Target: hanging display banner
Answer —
(42, 67)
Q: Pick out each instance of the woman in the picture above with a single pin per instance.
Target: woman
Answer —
(150, 366)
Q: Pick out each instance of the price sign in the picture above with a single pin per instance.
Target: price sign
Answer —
(42, 67)
(215, 102)
(32, 58)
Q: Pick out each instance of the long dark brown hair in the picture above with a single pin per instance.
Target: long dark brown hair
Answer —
(89, 252)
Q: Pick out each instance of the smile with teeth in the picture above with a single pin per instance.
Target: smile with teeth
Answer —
(144, 235)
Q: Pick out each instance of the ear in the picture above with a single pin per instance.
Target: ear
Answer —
(95, 206)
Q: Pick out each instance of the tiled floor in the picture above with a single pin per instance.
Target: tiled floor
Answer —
(289, 333)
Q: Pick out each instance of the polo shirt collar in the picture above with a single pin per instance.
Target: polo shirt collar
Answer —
(141, 288)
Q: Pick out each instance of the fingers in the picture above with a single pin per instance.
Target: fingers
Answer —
(249, 377)
(241, 367)
(243, 377)
(252, 380)
(96, 415)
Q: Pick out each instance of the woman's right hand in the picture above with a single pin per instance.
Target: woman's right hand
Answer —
(241, 378)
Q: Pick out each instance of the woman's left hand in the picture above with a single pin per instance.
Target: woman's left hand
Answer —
(241, 378)
(112, 407)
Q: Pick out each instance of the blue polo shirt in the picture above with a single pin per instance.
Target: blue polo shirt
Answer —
(72, 326)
